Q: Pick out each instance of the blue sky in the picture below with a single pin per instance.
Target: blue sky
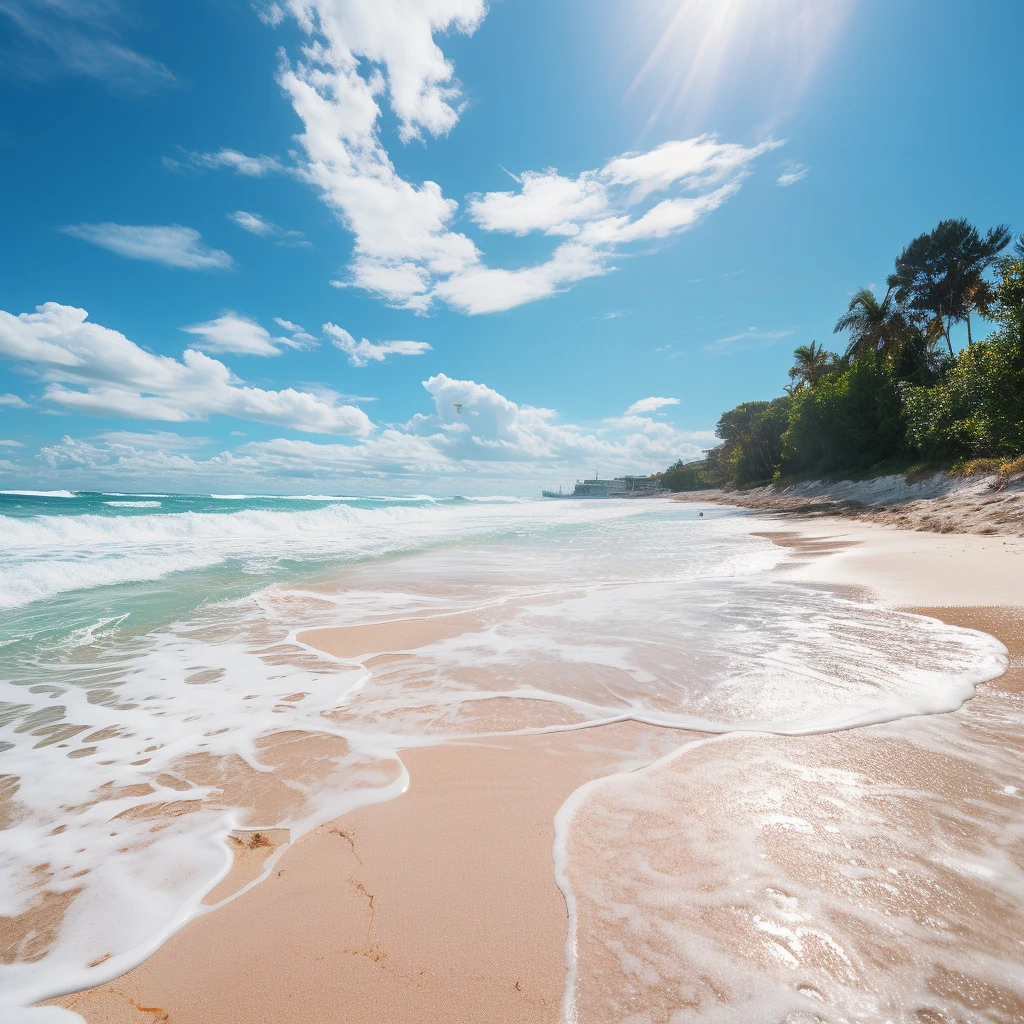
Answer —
(393, 246)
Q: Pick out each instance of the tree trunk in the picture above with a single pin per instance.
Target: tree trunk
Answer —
(970, 341)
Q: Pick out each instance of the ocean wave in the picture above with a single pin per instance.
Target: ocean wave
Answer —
(45, 555)
(42, 494)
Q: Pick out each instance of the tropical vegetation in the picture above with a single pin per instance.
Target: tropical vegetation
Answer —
(898, 395)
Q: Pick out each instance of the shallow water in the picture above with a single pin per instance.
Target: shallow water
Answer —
(158, 695)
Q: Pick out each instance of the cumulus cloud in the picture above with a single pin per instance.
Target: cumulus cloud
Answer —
(406, 251)
(474, 439)
(360, 353)
(650, 405)
(238, 334)
(257, 225)
(546, 202)
(13, 402)
(172, 245)
(796, 173)
(78, 37)
(94, 370)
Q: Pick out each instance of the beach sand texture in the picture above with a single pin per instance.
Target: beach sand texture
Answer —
(442, 904)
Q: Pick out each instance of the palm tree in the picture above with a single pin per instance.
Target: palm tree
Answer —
(812, 362)
(874, 326)
(941, 274)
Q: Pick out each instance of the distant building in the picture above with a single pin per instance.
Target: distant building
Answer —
(620, 487)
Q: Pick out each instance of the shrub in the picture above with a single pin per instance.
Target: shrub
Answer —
(848, 422)
(978, 410)
(752, 435)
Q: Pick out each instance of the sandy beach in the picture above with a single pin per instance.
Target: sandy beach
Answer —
(442, 904)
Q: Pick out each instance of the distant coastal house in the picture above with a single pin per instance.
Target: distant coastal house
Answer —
(620, 487)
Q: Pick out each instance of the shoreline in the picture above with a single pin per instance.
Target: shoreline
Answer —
(932, 503)
(418, 929)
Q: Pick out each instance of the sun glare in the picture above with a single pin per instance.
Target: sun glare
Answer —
(693, 52)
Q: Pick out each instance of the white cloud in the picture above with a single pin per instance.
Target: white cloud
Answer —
(752, 337)
(269, 13)
(475, 440)
(650, 405)
(253, 223)
(546, 202)
(697, 163)
(797, 173)
(405, 249)
(172, 245)
(79, 37)
(162, 440)
(362, 352)
(13, 402)
(249, 166)
(92, 369)
(300, 338)
(237, 334)
(257, 225)
(11, 444)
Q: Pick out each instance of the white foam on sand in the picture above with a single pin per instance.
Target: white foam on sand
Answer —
(870, 875)
(575, 614)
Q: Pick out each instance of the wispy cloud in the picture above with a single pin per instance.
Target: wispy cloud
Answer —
(97, 371)
(796, 173)
(172, 245)
(750, 338)
(11, 444)
(13, 402)
(361, 353)
(257, 225)
(77, 37)
(156, 440)
(650, 405)
(300, 337)
(249, 166)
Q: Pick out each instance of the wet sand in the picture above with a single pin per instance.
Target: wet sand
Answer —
(441, 905)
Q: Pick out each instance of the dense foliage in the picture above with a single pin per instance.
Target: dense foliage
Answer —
(898, 393)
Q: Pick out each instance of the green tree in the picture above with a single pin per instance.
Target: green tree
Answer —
(978, 408)
(752, 441)
(810, 364)
(941, 275)
(875, 326)
(851, 421)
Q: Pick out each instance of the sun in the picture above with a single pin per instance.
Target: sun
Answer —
(694, 53)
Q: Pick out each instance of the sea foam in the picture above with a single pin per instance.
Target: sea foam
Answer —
(582, 613)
